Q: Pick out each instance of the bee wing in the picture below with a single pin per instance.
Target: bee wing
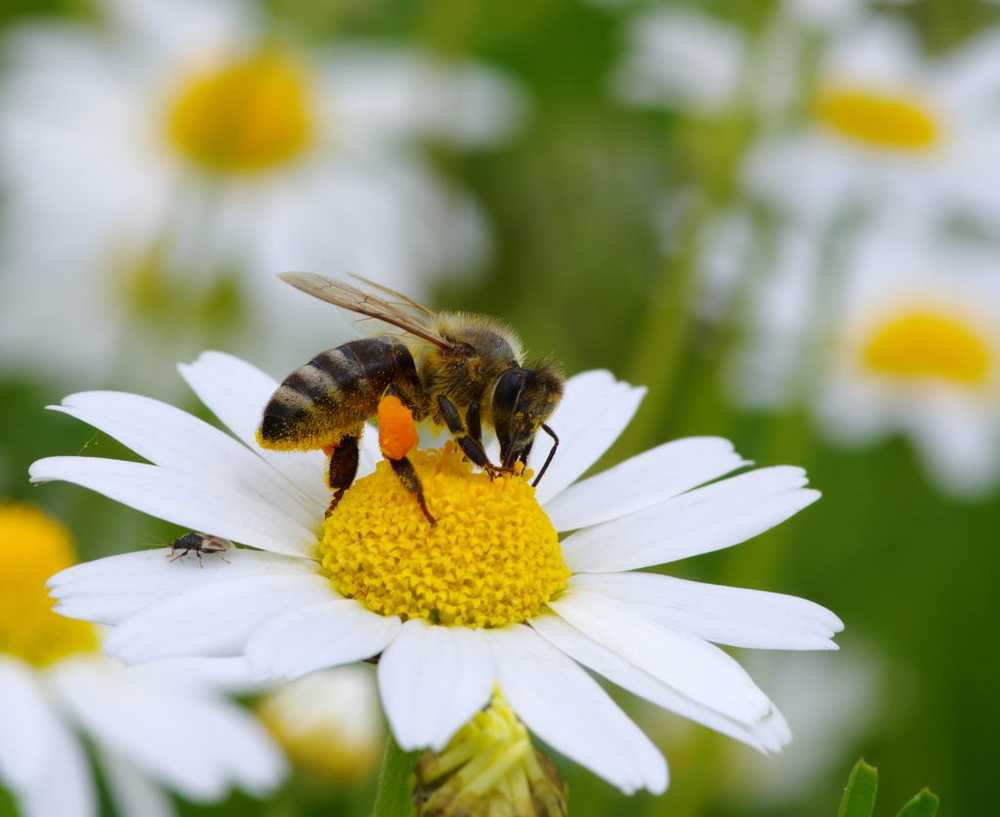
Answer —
(395, 293)
(363, 303)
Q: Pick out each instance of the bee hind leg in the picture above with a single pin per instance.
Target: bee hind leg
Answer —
(343, 467)
(411, 481)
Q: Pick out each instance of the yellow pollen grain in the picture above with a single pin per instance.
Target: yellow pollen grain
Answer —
(250, 115)
(33, 547)
(924, 343)
(492, 559)
(879, 120)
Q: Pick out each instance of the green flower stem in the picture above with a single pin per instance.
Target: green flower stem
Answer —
(662, 342)
(393, 797)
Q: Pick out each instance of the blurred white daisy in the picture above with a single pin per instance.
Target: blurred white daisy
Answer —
(917, 350)
(328, 723)
(487, 597)
(700, 64)
(164, 724)
(888, 128)
(852, 688)
(148, 162)
(905, 341)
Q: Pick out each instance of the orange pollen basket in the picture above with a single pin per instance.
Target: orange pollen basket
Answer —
(397, 433)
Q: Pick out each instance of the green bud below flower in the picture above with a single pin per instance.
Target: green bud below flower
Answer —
(489, 769)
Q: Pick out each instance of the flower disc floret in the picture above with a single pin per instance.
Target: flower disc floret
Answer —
(492, 559)
(247, 116)
(928, 343)
(879, 120)
(32, 548)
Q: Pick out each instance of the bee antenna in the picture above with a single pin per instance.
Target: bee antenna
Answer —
(552, 453)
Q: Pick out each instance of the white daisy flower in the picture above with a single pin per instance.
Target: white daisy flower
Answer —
(702, 65)
(683, 59)
(487, 597)
(907, 342)
(165, 724)
(917, 350)
(887, 127)
(183, 143)
(328, 723)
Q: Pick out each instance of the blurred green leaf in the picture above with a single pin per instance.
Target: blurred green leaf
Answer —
(859, 795)
(924, 804)
(8, 806)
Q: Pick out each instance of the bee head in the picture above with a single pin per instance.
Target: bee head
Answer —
(523, 399)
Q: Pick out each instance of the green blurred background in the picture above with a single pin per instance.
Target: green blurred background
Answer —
(577, 269)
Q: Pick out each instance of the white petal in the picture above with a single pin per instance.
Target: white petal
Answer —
(693, 667)
(236, 393)
(594, 410)
(133, 793)
(320, 635)
(214, 620)
(726, 615)
(111, 589)
(643, 481)
(30, 727)
(224, 675)
(616, 669)
(706, 519)
(193, 742)
(167, 436)
(567, 709)
(433, 680)
(67, 787)
(184, 499)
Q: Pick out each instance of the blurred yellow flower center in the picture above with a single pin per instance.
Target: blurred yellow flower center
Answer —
(32, 548)
(492, 559)
(879, 120)
(927, 343)
(250, 115)
(327, 723)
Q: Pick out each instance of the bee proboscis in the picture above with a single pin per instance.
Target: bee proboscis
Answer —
(462, 371)
(199, 544)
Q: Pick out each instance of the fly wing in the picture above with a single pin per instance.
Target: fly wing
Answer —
(414, 322)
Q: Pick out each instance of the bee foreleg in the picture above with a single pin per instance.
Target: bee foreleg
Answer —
(468, 435)
(342, 469)
(411, 481)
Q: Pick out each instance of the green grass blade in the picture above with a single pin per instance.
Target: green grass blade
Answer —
(924, 804)
(859, 795)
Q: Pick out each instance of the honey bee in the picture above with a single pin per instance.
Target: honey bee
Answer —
(461, 371)
(198, 543)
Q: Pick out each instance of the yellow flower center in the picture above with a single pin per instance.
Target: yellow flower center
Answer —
(492, 559)
(250, 115)
(879, 120)
(928, 343)
(32, 548)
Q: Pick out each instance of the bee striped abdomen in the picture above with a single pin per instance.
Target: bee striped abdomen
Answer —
(330, 396)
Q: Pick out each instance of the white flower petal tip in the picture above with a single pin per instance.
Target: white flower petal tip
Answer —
(432, 680)
(318, 636)
(709, 518)
(737, 617)
(695, 668)
(565, 707)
